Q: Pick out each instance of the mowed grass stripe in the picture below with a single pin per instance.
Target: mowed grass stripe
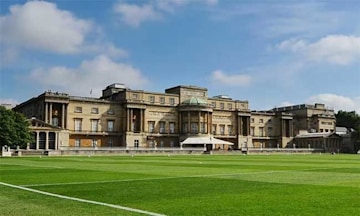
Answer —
(83, 200)
(165, 178)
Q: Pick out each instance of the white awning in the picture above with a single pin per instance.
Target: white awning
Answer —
(205, 140)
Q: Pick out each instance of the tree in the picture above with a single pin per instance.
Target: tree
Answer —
(14, 129)
(350, 120)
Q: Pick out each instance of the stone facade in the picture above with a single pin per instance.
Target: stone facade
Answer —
(139, 119)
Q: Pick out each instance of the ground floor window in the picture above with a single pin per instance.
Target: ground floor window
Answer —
(77, 142)
(136, 143)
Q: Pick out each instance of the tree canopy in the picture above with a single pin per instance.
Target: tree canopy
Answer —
(14, 129)
(350, 120)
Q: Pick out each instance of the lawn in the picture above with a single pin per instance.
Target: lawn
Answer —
(181, 185)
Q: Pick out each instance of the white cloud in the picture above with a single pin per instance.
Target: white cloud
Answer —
(134, 15)
(219, 76)
(92, 75)
(335, 49)
(41, 25)
(337, 102)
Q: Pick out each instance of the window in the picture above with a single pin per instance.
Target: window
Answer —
(151, 126)
(213, 129)
(230, 106)
(134, 96)
(172, 101)
(152, 99)
(213, 104)
(270, 131)
(221, 105)
(261, 131)
(194, 127)
(230, 129)
(252, 131)
(77, 142)
(94, 110)
(110, 125)
(172, 143)
(261, 120)
(161, 144)
(77, 123)
(172, 127)
(222, 129)
(202, 128)
(55, 121)
(78, 109)
(110, 142)
(252, 120)
(110, 112)
(94, 143)
(94, 125)
(185, 127)
(136, 143)
(162, 126)
(162, 100)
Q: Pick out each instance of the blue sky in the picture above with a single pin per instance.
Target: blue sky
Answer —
(269, 52)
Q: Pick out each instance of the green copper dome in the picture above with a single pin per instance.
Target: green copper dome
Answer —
(194, 101)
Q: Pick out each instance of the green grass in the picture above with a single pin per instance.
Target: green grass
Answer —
(184, 185)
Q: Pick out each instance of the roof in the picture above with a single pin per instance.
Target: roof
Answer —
(315, 135)
(205, 140)
(194, 101)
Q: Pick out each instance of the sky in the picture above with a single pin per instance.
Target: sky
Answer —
(269, 52)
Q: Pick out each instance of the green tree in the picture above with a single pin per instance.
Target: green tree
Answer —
(14, 129)
(350, 120)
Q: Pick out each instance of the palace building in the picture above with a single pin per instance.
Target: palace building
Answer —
(128, 118)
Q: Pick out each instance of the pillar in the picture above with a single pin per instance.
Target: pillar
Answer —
(46, 113)
(131, 120)
(199, 122)
(142, 120)
(127, 119)
(50, 112)
(47, 140)
(63, 116)
(37, 140)
(189, 122)
(56, 141)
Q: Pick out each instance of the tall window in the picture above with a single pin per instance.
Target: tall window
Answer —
(194, 127)
(172, 127)
(222, 129)
(110, 142)
(261, 131)
(230, 106)
(261, 120)
(213, 104)
(185, 127)
(136, 143)
(78, 123)
(77, 142)
(94, 125)
(230, 127)
(270, 131)
(252, 131)
(172, 143)
(162, 126)
(151, 125)
(213, 129)
(110, 125)
(202, 127)
(94, 143)
(252, 120)
(172, 101)
(134, 96)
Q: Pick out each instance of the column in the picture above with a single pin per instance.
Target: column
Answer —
(37, 140)
(66, 119)
(56, 141)
(127, 119)
(46, 113)
(131, 120)
(189, 122)
(199, 116)
(239, 125)
(50, 112)
(47, 140)
(63, 116)
(207, 122)
(142, 120)
(179, 123)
